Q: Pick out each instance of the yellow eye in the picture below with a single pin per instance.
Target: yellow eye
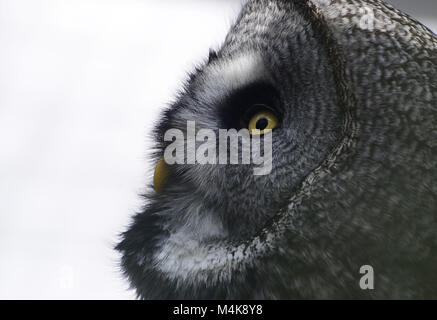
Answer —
(262, 121)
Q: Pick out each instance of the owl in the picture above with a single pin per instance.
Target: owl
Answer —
(348, 91)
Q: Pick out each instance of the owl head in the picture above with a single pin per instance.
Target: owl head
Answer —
(216, 229)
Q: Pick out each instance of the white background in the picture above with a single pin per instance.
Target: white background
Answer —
(81, 84)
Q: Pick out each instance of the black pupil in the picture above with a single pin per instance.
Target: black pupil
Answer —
(262, 123)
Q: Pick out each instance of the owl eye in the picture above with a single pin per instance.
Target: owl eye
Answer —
(261, 121)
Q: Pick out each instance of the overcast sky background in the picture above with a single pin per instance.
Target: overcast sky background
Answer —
(81, 84)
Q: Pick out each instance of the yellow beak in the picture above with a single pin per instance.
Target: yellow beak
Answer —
(160, 175)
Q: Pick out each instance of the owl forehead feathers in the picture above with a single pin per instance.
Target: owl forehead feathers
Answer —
(220, 78)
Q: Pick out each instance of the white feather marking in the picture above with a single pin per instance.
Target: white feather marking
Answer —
(227, 75)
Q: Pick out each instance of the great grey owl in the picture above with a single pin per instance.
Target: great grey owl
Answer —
(352, 85)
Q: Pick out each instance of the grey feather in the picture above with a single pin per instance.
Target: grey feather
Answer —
(354, 164)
